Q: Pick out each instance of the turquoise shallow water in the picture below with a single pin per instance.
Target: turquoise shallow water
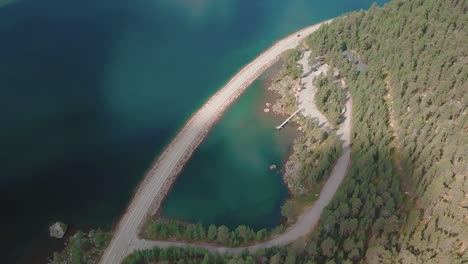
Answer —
(228, 180)
(91, 91)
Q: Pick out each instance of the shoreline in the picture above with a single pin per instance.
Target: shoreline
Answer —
(272, 96)
(306, 221)
(308, 215)
(176, 154)
(289, 133)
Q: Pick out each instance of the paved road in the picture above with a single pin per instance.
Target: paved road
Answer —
(147, 198)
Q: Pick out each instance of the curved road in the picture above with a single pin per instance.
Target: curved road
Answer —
(148, 196)
(306, 221)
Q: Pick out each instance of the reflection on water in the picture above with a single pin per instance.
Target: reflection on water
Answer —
(197, 13)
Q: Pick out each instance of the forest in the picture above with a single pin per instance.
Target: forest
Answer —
(290, 67)
(405, 197)
(310, 163)
(191, 255)
(307, 168)
(330, 97)
(165, 229)
(83, 247)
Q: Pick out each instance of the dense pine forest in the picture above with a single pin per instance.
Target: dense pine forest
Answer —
(330, 97)
(405, 198)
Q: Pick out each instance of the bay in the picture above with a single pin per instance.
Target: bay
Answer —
(91, 91)
(228, 180)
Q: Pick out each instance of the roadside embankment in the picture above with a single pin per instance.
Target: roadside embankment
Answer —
(163, 172)
(308, 219)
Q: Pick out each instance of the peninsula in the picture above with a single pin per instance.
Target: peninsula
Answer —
(402, 197)
(159, 178)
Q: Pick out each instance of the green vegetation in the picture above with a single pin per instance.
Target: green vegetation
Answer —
(306, 170)
(315, 150)
(191, 255)
(286, 88)
(312, 159)
(330, 97)
(416, 55)
(290, 66)
(415, 51)
(83, 248)
(176, 230)
(63, 225)
(286, 82)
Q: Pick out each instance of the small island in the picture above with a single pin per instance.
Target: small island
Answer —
(58, 229)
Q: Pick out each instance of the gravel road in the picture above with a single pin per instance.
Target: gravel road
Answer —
(155, 184)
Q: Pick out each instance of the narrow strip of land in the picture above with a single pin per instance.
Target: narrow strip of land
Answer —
(155, 184)
(311, 215)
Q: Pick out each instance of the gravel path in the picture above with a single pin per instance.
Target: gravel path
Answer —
(306, 97)
(161, 175)
(307, 221)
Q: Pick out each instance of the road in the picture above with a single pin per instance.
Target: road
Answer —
(306, 97)
(161, 175)
(308, 220)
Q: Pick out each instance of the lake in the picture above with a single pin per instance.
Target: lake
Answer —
(92, 91)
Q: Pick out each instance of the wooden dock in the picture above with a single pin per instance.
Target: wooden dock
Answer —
(287, 120)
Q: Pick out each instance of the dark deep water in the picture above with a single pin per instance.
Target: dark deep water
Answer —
(91, 91)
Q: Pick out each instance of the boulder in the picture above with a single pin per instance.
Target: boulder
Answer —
(58, 230)
(273, 167)
(268, 104)
(266, 110)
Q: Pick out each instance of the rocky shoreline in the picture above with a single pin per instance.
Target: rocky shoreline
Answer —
(280, 93)
(284, 91)
(285, 88)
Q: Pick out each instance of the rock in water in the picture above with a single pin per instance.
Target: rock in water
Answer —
(273, 167)
(266, 110)
(58, 230)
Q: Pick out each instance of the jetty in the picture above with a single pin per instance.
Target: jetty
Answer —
(287, 120)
